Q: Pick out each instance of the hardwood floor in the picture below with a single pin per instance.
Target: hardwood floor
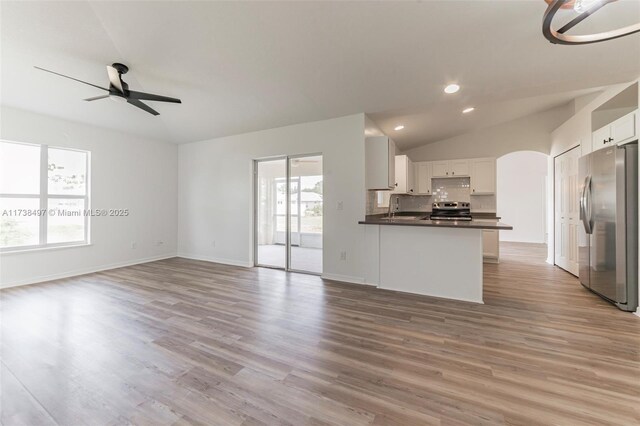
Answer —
(185, 342)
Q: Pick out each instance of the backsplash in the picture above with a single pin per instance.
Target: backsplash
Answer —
(451, 189)
(444, 189)
(372, 203)
(416, 203)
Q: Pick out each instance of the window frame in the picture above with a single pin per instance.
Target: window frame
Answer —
(43, 196)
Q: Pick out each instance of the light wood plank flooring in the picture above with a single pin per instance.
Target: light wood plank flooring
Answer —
(188, 342)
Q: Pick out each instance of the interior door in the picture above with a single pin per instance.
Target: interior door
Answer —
(567, 210)
(573, 210)
(560, 228)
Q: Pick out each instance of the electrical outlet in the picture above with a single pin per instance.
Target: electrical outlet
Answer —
(213, 243)
(159, 243)
(343, 255)
(340, 205)
(134, 244)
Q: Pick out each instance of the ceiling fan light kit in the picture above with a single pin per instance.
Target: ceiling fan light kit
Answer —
(585, 8)
(119, 90)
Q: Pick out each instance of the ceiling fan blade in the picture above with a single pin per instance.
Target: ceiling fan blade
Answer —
(71, 78)
(95, 98)
(151, 97)
(143, 106)
(114, 78)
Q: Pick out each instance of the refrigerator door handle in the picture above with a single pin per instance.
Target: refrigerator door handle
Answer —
(585, 205)
(581, 205)
(588, 206)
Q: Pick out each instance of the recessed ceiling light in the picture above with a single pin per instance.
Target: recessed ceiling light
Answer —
(452, 88)
(400, 127)
(467, 110)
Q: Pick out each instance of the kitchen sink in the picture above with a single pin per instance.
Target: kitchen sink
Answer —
(400, 218)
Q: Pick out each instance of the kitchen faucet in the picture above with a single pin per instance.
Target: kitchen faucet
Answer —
(391, 213)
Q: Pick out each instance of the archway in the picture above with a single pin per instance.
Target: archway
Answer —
(521, 200)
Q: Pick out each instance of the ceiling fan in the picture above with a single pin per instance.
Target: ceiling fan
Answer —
(119, 90)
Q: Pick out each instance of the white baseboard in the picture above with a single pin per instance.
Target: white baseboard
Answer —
(83, 271)
(344, 279)
(232, 262)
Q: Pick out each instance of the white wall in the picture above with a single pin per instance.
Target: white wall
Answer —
(521, 198)
(576, 131)
(530, 133)
(215, 186)
(577, 128)
(126, 172)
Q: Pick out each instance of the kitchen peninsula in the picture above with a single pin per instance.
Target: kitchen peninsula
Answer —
(436, 252)
(441, 258)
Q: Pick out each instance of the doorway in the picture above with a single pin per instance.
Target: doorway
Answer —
(289, 213)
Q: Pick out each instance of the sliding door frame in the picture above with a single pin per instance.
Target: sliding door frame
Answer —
(256, 191)
(289, 158)
(256, 204)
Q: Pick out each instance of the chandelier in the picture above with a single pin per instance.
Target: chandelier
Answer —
(585, 8)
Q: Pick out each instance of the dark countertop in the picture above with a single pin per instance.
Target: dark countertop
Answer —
(480, 221)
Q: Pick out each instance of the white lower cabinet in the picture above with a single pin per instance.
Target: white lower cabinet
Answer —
(490, 245)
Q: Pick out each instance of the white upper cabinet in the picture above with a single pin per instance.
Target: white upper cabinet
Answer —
(423, 177)
(411, 177)
(459, 168)
(623, 130)
(380, 154)
(416, 178)
(440, 168)
(451, 168)
(483, 176)
(405, 176)
(481, 173)
(601, 138)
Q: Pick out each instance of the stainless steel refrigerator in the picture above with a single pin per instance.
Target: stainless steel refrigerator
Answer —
(608, 241)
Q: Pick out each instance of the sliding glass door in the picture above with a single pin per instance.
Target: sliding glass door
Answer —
(288, 214)
(271, 213)
(305, 185)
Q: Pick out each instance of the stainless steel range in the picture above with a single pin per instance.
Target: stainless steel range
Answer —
(451, 210)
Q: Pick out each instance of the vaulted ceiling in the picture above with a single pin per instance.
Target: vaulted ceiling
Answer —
(245, 66)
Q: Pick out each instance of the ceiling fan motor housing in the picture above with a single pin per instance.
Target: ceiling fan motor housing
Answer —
(122, 68)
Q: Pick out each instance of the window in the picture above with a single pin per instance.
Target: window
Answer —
(382, 198)
(44, 196)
